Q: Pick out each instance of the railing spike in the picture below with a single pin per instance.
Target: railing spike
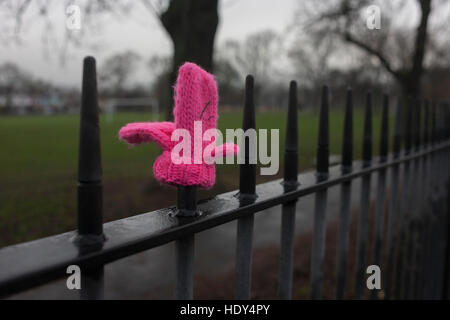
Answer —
(291, 148)
(90, 168)
(90, 190)
(89, 158)
(380, 207)
(433, 123)
(438, 122)
(347, 141)
(426, 124)
(247, 194)
(247, 176)
(288, 209)
(323, 138)
(392, 233)
(447, 121)
(367, 137)
(249, 111)
(417, 125)
(384, 134)
(408, 126)
(441, 123)
(398, 129)
(344, 216)
(319, 230)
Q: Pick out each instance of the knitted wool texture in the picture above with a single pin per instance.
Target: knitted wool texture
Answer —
(196, 99)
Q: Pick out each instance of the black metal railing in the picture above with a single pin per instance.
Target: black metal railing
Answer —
(414, 259)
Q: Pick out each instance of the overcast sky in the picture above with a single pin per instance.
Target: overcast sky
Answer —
(139, 32)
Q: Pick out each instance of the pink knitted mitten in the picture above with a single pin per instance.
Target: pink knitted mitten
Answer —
(195, 100)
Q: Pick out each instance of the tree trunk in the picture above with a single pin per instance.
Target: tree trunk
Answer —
(192, 25)
(411, 80)
(410, 84)
(410, 77)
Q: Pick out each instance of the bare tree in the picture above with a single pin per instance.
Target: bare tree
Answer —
(310, 60)
(116, 70)
(19, 16)
(161, 68)
(10, 77)
(255, 54)
(398, 47)
(258, 55)
(228, 79)
(190, 24)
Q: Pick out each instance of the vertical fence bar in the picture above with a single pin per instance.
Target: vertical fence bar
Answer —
(393, 219)
(344, 218)
(438, 208)
(425, 215)
(381, 188)
(442, 203)
(409, 208)
(288, 209)
(437, 205)
(426, 206)
(247, 194)
(430, 203)
(365, 202)
(404, 204)
(318, 244)
(428, 285)
(431, 290)
(90, 203)
(412, 236)
(185, 247)
(421, 192)
(418, 235)
(446, 281)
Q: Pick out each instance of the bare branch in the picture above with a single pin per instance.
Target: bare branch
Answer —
(349, 38)
(19, 15)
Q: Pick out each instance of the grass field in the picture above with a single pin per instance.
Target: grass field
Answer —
(39, 158)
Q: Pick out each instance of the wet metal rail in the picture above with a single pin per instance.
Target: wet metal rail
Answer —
(412, 248)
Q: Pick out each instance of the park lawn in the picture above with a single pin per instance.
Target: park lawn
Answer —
(38, 168)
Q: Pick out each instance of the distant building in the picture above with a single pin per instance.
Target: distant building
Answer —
(23, 104)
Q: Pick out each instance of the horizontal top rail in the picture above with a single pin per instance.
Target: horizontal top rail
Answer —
(33, 263)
